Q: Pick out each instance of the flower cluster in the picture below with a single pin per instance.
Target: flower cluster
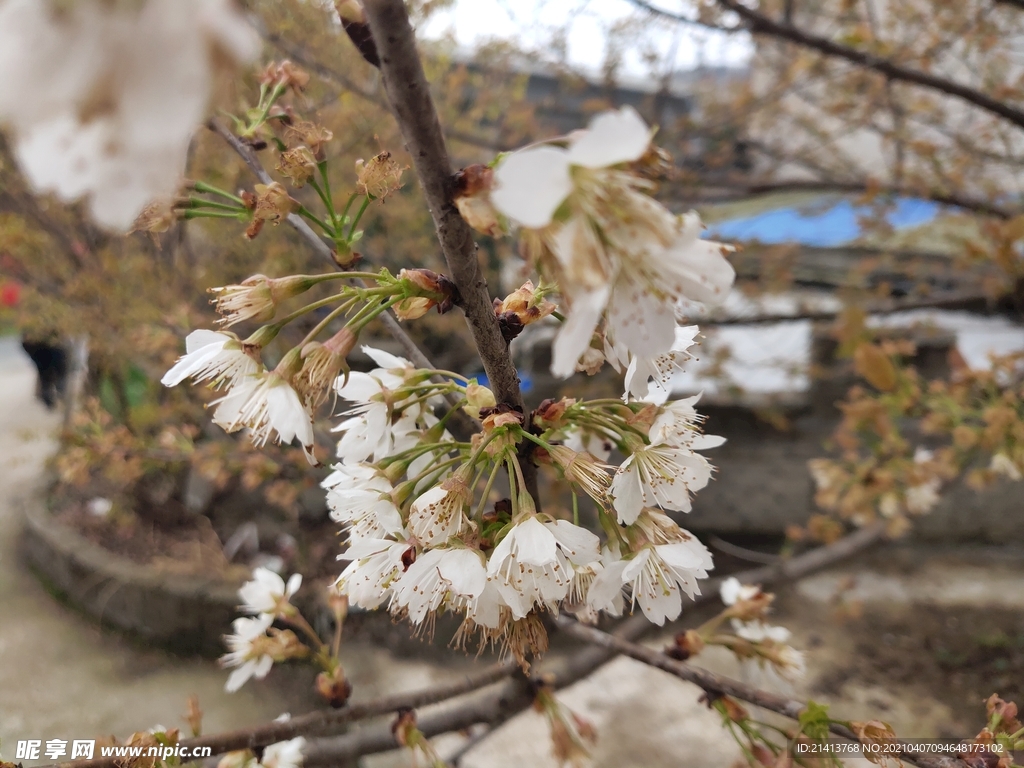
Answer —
(587, 221)
(279, 404)
(437, 524)
(766, 649)
(255, 645)
(426, 537)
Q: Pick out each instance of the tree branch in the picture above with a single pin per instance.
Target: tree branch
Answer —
(759, 24)
(409, 95)
(679, 18)
(724, 686)
(325, 720)
(513, 696)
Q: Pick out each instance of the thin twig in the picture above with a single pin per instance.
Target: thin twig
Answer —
(742, 553)
(510, 698)
(330, 719)
(760, 24)
(724, 686)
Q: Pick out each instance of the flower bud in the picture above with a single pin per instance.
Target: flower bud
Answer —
(473, 199)
(687, 645)
(478, 396)
(338, 603)
(424, 289)
(527, 303)
(284, 74)
(549, 413)
(413, 307)
(334, 688)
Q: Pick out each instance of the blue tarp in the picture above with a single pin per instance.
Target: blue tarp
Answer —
(809, 225)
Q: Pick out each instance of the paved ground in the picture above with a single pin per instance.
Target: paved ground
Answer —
(60, 675)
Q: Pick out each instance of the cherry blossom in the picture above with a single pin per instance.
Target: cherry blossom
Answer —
(103, 99)
(439, 578)
(215, 356)
(244, 653)
(284, 754)
(267, 593)
(655, 578)
(614, 251)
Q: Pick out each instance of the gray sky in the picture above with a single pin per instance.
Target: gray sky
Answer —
(532, 23)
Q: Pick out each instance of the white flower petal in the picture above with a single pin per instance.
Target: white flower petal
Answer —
(531, 184)
(386, 360)
(627, 492)
(613, 137)
(537, 545)
(577, 331)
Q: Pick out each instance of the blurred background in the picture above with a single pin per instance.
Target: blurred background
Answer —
(864, 207)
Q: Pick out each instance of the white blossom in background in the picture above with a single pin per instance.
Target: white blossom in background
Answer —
(214, 356)
(778, 664)
(922, 498)
(614, 251)
(267, 594)
(244, 653)
(1003, 465)
(284, 754)
(733, 591)
(102, 98)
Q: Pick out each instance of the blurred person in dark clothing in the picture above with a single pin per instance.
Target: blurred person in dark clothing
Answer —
(46, 351)
(51, 360)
